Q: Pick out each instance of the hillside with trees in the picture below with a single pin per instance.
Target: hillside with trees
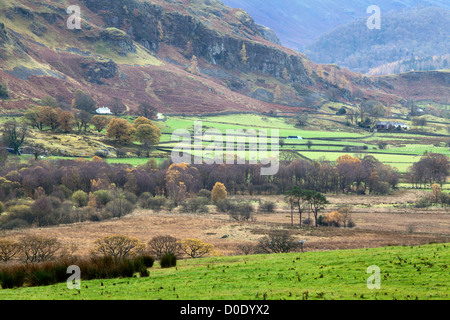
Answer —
(404, 36)
(298, 23)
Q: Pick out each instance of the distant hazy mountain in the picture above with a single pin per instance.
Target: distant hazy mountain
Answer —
(406, 36)
(299, 23)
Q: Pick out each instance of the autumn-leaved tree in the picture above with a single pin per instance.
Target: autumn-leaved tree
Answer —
(146, 133)
(50, 117)
(65, 120)
(120, 130)
(219, 192)
(196, 248)
(99, 122)
(193, 68)
(180, 180)
(436, 190)
(243, 54)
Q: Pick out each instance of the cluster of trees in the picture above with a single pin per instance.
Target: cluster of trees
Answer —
(47, 192)
(61, 191)
(45, 261)
(305, 200)
(431, 168)
(37, 249)
(53, 115)
(119, 130)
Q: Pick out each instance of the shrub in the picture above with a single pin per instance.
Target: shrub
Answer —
(225, 205)
(204, 193)
(12, 276)
(320, 220)
(104, 196)
(241, 212)
(332, 219)
(119, 207)
(170, 204)
(423, 203)
(246, 248)
(80, 198)
(143, 271)
(148, 260)
(168, 260)
(196, 204)
(445, 199)
(381, 188)
(4, 94)
(143, 198)
(147, 201)
(15, 224)
(104, 267)
(130, 197)
(267, 206)
(41, 210)
(382, 145)
(127, 267)
(307, 222)
(351, 224)
(20, 211)
(277, 242)
(41, 277)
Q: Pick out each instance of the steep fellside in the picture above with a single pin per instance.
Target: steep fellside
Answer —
(189, 56)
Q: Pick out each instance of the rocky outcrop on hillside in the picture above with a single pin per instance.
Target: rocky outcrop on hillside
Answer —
(119, 41)
(268, 34)
(95, 71)
(150, 25)
(3, 34)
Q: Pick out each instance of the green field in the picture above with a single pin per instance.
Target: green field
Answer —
(402, 151)
(328, 143)
(407, 273)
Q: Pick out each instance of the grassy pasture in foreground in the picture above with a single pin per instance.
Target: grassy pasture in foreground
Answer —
(407, 273)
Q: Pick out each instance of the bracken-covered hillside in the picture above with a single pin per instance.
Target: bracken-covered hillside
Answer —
(189, 56)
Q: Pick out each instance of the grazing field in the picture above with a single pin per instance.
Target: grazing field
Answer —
(401, 149)
(406, 273)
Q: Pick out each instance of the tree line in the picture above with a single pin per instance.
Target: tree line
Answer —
(80, 117)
